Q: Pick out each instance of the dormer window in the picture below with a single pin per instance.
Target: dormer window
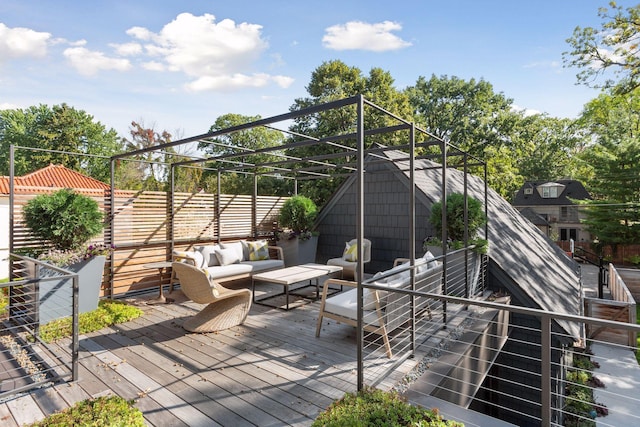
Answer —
(550, 190)
(528, 191)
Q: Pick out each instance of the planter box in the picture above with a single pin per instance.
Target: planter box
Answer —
(55, 297)
(297, 252)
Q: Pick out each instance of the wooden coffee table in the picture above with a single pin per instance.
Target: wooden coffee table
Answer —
(293, 275)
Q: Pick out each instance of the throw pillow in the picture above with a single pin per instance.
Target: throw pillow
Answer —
(236, 246)
(350, 252)
(258, 251)
(227, 256)
(208, 255)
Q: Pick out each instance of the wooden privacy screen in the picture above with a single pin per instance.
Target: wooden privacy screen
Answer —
(142, 228)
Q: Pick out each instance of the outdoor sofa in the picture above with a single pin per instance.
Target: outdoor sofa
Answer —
(233, 260)
(384, 311)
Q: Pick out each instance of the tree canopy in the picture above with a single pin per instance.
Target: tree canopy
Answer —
(612, 51)
(62, 130)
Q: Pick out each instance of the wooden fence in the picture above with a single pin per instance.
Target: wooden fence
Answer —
(139, 225)
(621, 308)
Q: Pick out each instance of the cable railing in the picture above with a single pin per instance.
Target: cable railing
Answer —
(520, 365)
(38, 293)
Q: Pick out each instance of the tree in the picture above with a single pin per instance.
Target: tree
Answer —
(56, 132)
(547, 148)
(471, 116)
(146, 170)
(334, 80)
(244, 142)
(613, 48)
(614, 157)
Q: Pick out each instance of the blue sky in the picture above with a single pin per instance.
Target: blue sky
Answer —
(178, 65)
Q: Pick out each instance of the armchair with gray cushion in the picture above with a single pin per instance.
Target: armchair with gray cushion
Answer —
(348, 262)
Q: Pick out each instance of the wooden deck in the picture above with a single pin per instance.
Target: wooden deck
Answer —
(270, 371)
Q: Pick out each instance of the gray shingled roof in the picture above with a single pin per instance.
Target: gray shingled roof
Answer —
(537, 265)
(572, 190)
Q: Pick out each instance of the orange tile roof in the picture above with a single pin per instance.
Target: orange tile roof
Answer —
(52, 176)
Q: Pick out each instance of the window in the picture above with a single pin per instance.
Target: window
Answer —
(568, 234)
(549, 192)
(528, 190)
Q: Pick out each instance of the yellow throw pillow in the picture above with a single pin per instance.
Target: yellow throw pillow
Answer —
(258, 251)
(350, 253)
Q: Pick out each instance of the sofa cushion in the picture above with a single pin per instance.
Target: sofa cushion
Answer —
(236, 246)
(208, 254)
(270, 264)
(222, 271)
(345, 304)
(258, 250)
(227, 256)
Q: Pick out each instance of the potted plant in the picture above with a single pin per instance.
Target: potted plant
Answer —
(299, 244)
(455, 232)
(476, 219)
(67, 221)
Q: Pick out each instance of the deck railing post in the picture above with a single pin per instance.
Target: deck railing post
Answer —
(545, 373)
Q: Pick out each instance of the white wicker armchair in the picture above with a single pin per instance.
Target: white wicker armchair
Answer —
(226, 307)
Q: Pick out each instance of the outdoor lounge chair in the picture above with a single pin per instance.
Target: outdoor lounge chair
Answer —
(226, 307)
(349, 263)
(384, 311)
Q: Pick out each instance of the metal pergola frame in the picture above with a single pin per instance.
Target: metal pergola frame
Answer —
(351, 144)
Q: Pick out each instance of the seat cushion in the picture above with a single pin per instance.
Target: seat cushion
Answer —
(345, 304)
(267, 264)
(221, 271)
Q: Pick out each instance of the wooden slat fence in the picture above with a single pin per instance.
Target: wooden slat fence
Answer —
(141, 224)
(621, 308)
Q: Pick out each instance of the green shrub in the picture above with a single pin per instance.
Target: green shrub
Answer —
(298, 214)
(108, 313)
(112, 411)
(372, 407)
(65, 218)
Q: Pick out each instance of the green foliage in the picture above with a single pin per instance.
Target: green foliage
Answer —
(61, 128)
(65, 218)
(106, 411)
(371, 407)
(610, 51)
(614, 160)
(580, 406)
(455, 202)
(334, 80)
(244, 142)
(108, 313)
(298, 214)
(4, 298)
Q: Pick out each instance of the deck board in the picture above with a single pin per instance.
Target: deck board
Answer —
(270, 371)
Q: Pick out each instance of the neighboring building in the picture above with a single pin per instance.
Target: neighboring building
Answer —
(52, 177)
(550, 206)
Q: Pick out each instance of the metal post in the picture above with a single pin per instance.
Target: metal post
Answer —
(171, 213)
(545, 373)
(75, 329)
(359, 235)
(600, 277)
(217, 209)
(412, 231)
(444, 235)
(112, 226)
(466, 223)
(254, 207)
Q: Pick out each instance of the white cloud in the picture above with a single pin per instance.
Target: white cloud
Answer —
(89, 63)
(153, 66)
(22, 42)
(8, 106)
(217, 55)
(127, 49)
(357, 35)
(237, 81)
